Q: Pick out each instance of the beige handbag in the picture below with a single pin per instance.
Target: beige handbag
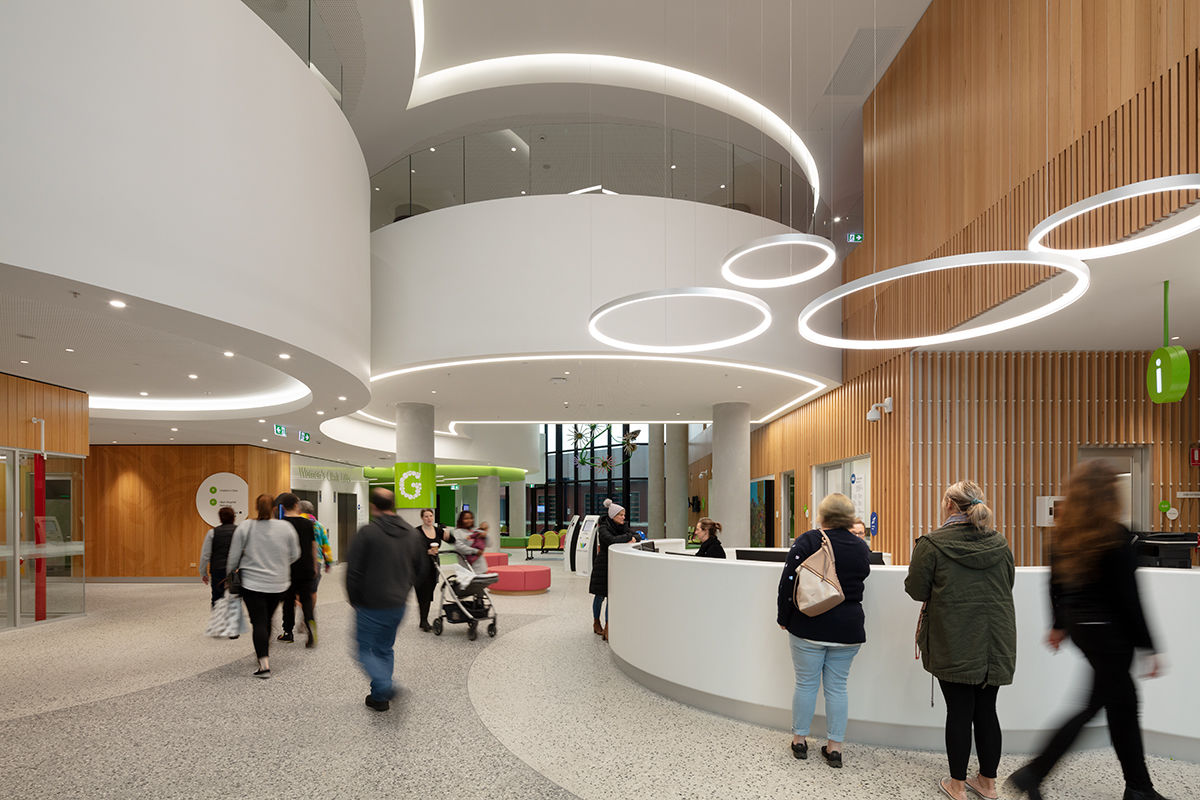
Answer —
(817, 586)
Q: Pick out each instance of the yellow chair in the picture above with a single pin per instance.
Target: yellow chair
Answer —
(533, 544)
(551, 542)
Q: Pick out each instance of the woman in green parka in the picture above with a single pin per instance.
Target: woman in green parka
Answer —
(963, 572)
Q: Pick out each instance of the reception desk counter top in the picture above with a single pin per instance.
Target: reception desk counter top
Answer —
(703, 631)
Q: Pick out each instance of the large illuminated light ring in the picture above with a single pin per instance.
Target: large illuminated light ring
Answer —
(1156, 235)
(779, 240)
(665, 294)
(1064, 262)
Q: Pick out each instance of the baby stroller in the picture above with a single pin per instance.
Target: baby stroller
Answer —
(464, 598)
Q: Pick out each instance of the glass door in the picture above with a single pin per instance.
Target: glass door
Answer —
(49, 543)
(8, 552)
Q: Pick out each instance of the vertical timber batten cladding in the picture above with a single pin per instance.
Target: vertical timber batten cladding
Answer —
(973, 136)
(65, 412)
(141, 503)
(835, 427)
(1014, 422)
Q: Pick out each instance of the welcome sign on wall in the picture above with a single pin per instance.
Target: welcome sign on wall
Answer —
(219, 490)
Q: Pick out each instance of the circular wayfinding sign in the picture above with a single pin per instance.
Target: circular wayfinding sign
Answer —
(222, 489)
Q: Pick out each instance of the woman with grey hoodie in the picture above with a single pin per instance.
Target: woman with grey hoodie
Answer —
(263, 549)
(963, 573)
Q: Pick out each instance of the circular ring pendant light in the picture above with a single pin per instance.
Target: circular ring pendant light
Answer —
(664, 294)
(794, 239)
(1157, 234)
(1063, 262)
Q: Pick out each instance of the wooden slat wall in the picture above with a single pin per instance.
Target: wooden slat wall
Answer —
(835, 427)
(1014, 422)
(698, 487)
(65, 412)
(973, 136)
(141, 503)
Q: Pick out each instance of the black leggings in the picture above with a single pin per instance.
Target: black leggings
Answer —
(303, 589)
(970, 707)
(1110, 655)
(261, 608)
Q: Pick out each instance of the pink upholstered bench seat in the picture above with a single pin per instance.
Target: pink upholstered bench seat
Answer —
(496, 559)
(521, 579)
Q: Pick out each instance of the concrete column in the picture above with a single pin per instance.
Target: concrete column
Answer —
(488, 509)
(516, 508)
(729, 492)
(656, 491)
(414, 442)
(675, 459)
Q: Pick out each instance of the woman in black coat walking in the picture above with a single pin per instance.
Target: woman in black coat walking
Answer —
(1094, 596)
(611, 530)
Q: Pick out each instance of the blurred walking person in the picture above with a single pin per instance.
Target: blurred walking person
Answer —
(324, 551)
(304, 572)
(214, 553)
(386, 555)
(1096, 604)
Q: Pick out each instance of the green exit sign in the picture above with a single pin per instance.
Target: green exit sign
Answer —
(280, 430)
(853, 238)
(305, 437)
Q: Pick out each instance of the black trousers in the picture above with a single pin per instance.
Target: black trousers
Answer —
(971, 708)
(260, 607)
(426, 583)
(216, 582)
(304, 590)
(1110, 655)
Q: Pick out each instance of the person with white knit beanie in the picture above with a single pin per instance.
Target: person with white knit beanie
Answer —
(611, 530)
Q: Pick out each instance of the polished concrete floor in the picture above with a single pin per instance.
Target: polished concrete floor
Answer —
(132, 701)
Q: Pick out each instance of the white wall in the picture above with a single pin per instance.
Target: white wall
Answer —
(551, 260)
(182, 153)
(489, 445)
(327, 510)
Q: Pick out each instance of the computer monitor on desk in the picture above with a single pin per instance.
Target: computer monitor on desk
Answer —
(648, 546)
(758, 554)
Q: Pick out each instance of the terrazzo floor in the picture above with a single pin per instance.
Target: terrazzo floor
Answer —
(133, 701)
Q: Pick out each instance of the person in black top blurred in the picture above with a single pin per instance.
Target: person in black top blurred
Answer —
(1095, 601)
(825, 645)
(710, 546)
(215, 552)
(304, 572)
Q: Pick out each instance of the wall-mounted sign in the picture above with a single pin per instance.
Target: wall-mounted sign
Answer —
(1194, 455)
(219, 490)
(416, 485)
(280, 430)
(305, 436)
(1187, 495)
(306, 472)
(1172, 514)
(854, 238)
(1164, 506)
(874, 524)
(1167, 374)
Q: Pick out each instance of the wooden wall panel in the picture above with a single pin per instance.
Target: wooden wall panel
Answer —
(65, 412)
(1014, 422)
(835, 427)
(993, 116)
(140, 503)
(698, 487)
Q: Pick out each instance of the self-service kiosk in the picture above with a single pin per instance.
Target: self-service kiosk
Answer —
(583, 546)
(568, 544)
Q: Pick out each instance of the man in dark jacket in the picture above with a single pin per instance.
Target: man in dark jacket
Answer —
(385, 559)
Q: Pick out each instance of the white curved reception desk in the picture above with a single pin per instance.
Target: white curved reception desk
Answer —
(703, 632)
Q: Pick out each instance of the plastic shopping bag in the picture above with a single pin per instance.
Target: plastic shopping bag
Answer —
(216, 618)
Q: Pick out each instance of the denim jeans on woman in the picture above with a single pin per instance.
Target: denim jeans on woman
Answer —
(816, 664)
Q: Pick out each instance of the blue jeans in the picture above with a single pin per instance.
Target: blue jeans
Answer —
(597, 602)
(813, 662)
(375, 630)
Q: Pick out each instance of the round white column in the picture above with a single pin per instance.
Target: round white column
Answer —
(516, 508)
(488, 508)
(656, 490)
(676, 463)
(729, 491)
(414, 443)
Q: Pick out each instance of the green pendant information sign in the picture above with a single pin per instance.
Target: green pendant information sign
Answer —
(1168, 374)
(416, 485)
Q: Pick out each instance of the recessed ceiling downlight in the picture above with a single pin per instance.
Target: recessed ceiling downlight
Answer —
(228, 354)
(1156, 234)
(819, 243)
(692, 292)
(1063, 262)
(117, 303)
(284, 356)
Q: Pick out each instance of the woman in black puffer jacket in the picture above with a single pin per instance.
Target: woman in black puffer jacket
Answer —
(611, 530)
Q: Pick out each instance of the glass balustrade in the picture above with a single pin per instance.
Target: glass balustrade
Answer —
(579, 158)
(299, 24)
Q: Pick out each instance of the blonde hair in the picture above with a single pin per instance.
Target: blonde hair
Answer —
(709, 526)
(836, 511)
(967, 498)
(1086, 527)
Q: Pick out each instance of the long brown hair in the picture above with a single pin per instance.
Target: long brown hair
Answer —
(264, 504)
(710, 526)
(1086, 527)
